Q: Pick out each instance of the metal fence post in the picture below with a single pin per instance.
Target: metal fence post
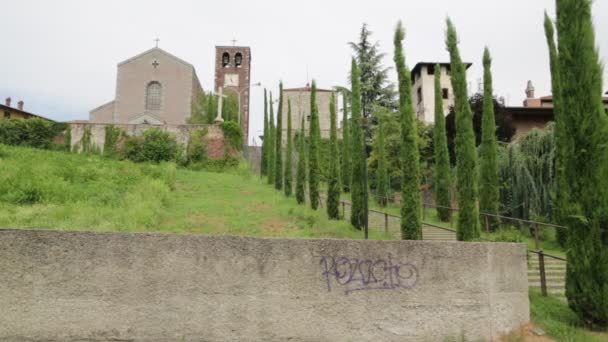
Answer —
(386, 223)
(451, 218)
(343, 210)
(423, 211)
(543, 279)
(536, 240)
(487, 224)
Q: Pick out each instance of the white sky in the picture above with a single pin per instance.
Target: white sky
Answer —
(60, 56)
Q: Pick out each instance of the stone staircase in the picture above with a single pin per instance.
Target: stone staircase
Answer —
(555, 274)
(434, 233)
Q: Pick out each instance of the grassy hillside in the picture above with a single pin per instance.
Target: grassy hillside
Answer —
(51, 189)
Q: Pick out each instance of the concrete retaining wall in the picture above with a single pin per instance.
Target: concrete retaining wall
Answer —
(88, 286)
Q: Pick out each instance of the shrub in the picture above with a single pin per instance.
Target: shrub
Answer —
(154, 146)
(233, 135)
(111, 138)
(197, 146)
(38, 133)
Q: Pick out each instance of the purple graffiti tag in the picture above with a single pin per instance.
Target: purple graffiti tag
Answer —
(354, 274)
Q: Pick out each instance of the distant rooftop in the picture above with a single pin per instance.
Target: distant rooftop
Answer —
(307, 88)
(419, 65)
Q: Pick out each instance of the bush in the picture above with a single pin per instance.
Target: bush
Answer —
(233, 135)
(197, 146)
(111, 138)
(154, 146)
(38, 133)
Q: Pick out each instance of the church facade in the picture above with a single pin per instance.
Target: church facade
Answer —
(154, 87)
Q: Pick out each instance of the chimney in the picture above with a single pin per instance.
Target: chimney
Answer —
(8, 102)
(530, 90)
(20, 105)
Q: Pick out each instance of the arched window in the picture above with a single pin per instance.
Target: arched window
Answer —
(238, 59)
(153, 96)
(225, 59)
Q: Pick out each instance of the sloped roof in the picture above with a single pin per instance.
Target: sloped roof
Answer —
(155, 49)
(17, 110)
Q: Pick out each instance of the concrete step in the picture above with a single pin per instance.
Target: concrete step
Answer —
(536, 273)
(550, 285)
(553, 279)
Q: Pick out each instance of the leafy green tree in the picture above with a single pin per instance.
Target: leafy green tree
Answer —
(314, 137)
(411, 224)
(333, 183)
(583, 159)
(278, 154)
(271, 142)
(204, 108)
(288, 154)
(301, 173)
(442, 156)
(560, 234)
(382, 178)
(264, 159)
(505, 130)
(358, 213)
(466, 155)
(488, 172)
(345, 162)
(373, 76)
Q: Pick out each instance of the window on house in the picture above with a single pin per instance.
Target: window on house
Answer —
(448, 71)
(419, 93)
(238, 60)
(446, 93)
(430, 69)
(153, 96)
(225, 59)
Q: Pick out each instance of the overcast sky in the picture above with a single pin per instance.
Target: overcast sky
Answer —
(60, 56)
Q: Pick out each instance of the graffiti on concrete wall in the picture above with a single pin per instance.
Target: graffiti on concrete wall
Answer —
(355, 274)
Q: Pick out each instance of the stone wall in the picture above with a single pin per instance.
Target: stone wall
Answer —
(214, 137)
(93, 286)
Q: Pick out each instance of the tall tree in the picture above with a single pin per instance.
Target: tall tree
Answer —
(333, 182)
(560, 234)
(264, 159)
(466, 155)
(314, 136)
(373, 76)
(288, 154)
(488, 181)
(301, 173)
(271, 142)
(358, 213)
(345, 162)
(278, 154)
(442, 156)
(382, 178)
(583, 152)
(411, 224)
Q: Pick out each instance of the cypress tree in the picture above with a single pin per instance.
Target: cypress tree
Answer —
(314, 136)
(271, 148)
(411, 206)
(278, 154)
(560, 234)
(345, 163)
(382, 179)
(488, 163)
(288, 155)
(583, 152)
(301, 174)
(466, 155)
(264, 159)
(358, 214)
(442, 156)
(333, 183)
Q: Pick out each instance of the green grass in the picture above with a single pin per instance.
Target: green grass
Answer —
(558, 321)
(58, 190)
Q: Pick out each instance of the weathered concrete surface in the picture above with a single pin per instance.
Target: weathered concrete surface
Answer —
(90, 286)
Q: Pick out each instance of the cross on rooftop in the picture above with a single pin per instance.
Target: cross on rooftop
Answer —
(156, 40)
(233, 42)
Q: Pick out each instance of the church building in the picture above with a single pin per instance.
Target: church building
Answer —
(154, 87)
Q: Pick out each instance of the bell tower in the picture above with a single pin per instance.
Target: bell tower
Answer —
(232, 74)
